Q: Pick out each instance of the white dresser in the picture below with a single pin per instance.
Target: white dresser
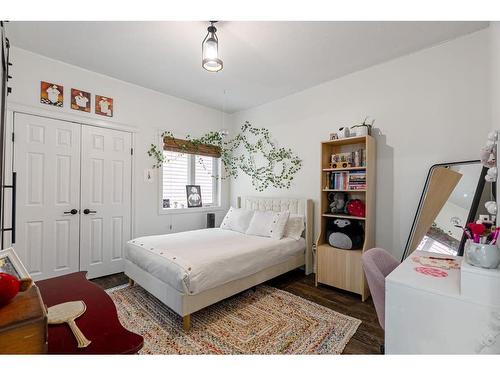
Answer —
(437, 315)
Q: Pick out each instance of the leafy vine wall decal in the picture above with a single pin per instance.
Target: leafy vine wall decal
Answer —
(251, 151)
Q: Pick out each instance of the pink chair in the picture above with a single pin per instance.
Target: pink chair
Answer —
(377, 264)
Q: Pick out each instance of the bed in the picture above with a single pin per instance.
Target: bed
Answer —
(188, 271)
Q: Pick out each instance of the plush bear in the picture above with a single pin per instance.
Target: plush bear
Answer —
(337, 202)
(345, 234)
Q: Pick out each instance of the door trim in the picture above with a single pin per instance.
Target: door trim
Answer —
(70, 117)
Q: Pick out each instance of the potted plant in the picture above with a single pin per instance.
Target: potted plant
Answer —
(362, 129)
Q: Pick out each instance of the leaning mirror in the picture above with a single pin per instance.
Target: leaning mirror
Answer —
(454, 194)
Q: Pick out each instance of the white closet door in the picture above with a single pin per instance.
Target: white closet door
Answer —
(105, 200)
(47, 162)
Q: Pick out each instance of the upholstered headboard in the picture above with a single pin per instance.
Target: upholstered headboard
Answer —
(299, 206)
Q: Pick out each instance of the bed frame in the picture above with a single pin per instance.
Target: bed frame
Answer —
(184, 304)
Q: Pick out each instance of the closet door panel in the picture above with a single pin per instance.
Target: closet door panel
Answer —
(106, 194)
(47, 162)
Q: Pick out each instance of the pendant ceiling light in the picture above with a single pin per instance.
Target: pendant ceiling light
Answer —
(210, 50)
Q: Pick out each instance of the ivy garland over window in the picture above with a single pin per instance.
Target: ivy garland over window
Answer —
(251, 151)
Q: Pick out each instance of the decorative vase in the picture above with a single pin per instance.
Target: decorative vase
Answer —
(482, 255)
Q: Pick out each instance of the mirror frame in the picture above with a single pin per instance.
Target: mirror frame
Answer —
(474, 204)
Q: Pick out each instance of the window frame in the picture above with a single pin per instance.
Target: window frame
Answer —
(217, 186)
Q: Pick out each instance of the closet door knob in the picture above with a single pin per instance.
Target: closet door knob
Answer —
(87, 211)
(74, 211)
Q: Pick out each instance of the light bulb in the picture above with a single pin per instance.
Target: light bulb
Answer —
(210, 49)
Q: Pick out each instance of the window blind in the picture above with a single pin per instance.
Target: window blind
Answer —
(205, 176)
(175, 178)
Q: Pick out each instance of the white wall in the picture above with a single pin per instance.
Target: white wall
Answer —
(149, 111)
(431, 106)
(494, 30)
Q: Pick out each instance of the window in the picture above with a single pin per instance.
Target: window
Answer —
(182, 169)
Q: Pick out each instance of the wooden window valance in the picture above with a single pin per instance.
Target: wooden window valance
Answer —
(188, 147)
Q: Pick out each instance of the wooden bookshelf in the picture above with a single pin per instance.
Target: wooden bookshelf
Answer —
(338, 267)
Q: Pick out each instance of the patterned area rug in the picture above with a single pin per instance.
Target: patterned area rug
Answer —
(265, 321)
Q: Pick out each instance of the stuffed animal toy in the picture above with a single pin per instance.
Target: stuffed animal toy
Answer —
(337, 202)
(345, 234)
(356, 207)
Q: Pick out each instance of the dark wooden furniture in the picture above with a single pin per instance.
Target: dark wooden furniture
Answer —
(23, 324)
(99, 323)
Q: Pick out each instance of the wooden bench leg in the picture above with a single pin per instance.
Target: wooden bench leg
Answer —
(186, 322)
(131, 282)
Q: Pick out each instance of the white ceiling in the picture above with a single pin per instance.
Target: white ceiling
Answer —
(263, 61)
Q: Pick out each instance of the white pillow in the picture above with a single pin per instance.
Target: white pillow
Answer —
(237, 219)
(294, 227)
(268, 224)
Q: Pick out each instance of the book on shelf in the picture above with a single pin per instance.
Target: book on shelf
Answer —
(357, 180)
(339, 180)
(346, 180)
(357, 187)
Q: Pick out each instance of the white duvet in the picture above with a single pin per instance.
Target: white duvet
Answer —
(195, 261)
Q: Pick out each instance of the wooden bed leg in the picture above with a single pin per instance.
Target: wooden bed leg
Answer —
(131, 282)
(186, 322)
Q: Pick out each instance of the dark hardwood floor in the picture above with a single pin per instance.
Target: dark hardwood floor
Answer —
(367, 339)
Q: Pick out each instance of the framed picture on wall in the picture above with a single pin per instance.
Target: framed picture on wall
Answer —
(193, 195)
(51, 94)
(103, 106)
(80, 100)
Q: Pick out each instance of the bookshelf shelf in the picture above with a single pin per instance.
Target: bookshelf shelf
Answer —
(343, 169)
(346, 141)
(346, 190)
(342, 268)
(340, 216)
